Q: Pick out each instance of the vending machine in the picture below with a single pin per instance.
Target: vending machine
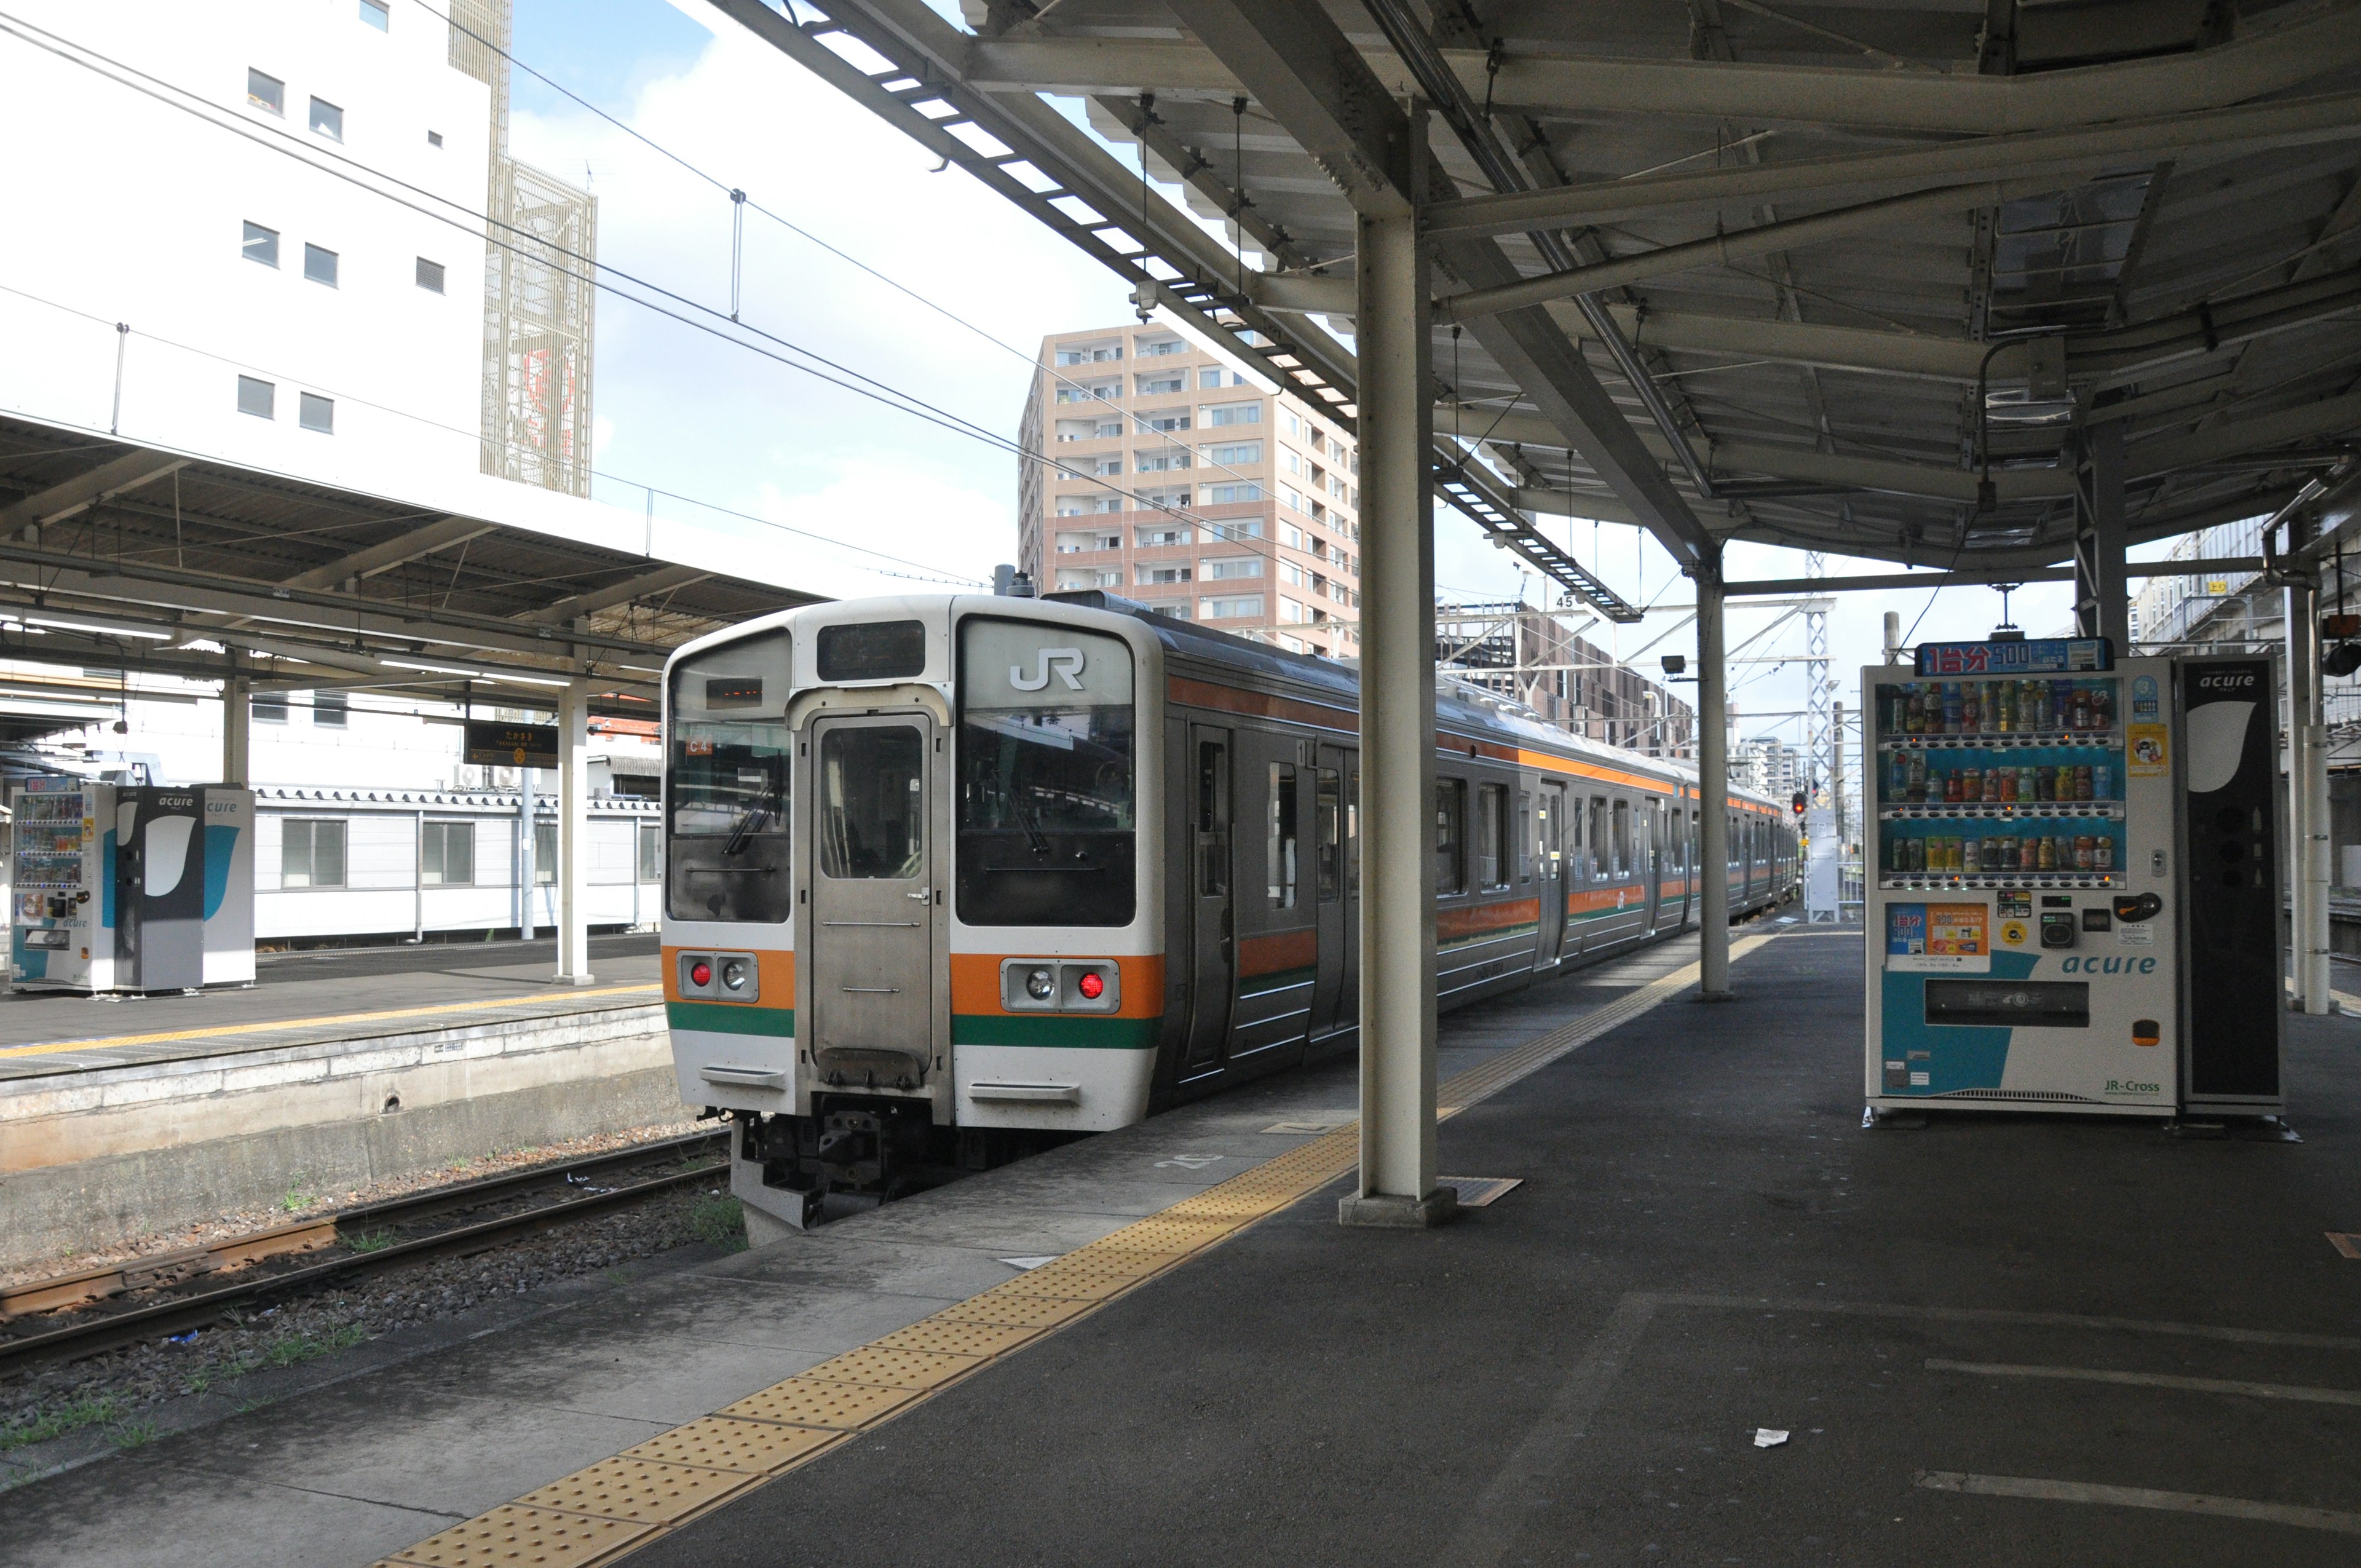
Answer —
(2024, 910)
(131, 888)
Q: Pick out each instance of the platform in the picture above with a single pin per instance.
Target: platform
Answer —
(1999, 1339)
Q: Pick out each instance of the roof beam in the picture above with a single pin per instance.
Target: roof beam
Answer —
(398, 551)
(1544, 81)
(2059, 155)
(128, 472)
(1888, 474)
(662, 580)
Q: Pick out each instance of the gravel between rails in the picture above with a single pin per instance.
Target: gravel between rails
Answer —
(110, 1390)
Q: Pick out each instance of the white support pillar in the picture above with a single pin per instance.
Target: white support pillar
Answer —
(2308, 819)
(1396, 1183)
(573, 833)
(238, 727)
(1713, 788)
(524, 866)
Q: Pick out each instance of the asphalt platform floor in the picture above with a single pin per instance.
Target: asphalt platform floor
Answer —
(2000, 1338)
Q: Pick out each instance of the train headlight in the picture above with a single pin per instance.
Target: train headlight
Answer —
(1090, 986)
(700, 973)
(1040, 985)
(733, 974)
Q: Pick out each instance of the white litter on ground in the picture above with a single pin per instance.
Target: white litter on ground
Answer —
(1768, 1437)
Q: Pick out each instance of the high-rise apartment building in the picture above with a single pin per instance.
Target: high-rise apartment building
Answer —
(1174, 480)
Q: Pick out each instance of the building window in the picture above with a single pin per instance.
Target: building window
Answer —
(1243, 452)
(320, 266)
(1230, 495)
(1165, 422)
(271, 709)
(1159, 463)
(1237, 566)
(256, 398)
(545, 855)
(1450, 836)
(265, 92)
(1288, 610)
(1151, 538)
(433, 139)
(447, 854)
(430, 276)
(316, 412)
(651, 852)
(1154, 574)
(1159, 349)
(1154, 386)
(261, 245)
(333, 709)
(1234, 413)
(327, 120)
(311, 853)
(376, 14)
(1249, 608)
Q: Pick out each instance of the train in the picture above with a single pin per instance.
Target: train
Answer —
(947, 873)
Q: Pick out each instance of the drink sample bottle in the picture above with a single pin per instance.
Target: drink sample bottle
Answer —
(1915, 721)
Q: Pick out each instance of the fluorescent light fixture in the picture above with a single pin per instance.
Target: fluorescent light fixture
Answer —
(495, 676)
(102, 628)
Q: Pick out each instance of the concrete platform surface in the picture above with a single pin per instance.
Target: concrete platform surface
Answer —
(2002, 1339)
(311, 997)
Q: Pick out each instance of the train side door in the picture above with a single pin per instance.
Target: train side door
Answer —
(871, 1016)
(1278, 926)
(1213, 934)
(1328, 878)
(1652, 859)
(1549, 872)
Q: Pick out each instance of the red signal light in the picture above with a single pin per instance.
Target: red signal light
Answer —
(1090, 986)
(700, 973)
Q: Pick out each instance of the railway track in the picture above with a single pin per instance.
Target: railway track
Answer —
(75, 1315)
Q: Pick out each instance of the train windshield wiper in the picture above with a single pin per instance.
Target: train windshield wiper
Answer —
(749, 823)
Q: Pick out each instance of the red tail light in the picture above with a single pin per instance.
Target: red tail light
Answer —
(1090, 986)
(700, 973)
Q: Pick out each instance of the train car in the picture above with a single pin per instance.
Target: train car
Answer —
(943, 875)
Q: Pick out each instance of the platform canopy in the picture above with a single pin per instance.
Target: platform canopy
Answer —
(1888, 279)
(116, 557)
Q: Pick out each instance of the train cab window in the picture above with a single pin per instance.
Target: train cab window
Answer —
(1046, 807)
(1328, 823)
(1213, 819)
(727, 781)
(1525, 845)
(1491, 835)
(1279, 837)
(1593, 842)
(1622, 848)
(1450, 836)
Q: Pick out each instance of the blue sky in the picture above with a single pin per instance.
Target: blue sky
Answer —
(680, 411)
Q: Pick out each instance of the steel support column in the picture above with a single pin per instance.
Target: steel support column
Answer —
(573, 829)
(238, 727)
(1713, 789)
(2308, 824)
(2101, 603)
(1397, 1179)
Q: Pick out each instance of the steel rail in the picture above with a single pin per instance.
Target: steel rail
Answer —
(115, 1329)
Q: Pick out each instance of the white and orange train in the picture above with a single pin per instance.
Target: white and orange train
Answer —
(945, 874)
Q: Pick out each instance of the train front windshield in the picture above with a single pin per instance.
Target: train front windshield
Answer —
(1046, 780)
(725, 792)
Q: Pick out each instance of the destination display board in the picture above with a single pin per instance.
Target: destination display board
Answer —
(495, 742)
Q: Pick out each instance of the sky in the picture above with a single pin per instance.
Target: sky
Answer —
(883, 501)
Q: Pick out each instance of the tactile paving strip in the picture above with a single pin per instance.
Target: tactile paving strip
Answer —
(636, 1489)
(510, 1535)
(815, 1402)
(719, 1443)
(616, 1505)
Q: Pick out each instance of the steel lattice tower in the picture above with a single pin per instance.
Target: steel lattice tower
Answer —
(1822, 753)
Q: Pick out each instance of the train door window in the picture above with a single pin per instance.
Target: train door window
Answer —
(1594, 843)
(1328, 817)
(1213, 819)
(1450, 836)
(1525, 843)
(1552, 845)
(1280, 840)
(1491, 835)
(872, 804)
(1353, 835)
(1622, 847)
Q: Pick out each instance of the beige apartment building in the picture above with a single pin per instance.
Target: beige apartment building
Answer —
(1174, 480)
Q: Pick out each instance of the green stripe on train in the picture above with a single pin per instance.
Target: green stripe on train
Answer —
(1066, 1033)
(731, 1019)
(1277, 980)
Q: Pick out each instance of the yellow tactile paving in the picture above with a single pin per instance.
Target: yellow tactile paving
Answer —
(894, 1367)
(719, 1442)
(510, 1536)
(636, 1489)
(817, 1402)
(333, 1020)
(778, 1429)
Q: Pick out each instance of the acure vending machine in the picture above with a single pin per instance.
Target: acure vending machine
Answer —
(2023, 914)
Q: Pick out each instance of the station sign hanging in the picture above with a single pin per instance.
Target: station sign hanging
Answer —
(2032, 657)
(493, 742)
